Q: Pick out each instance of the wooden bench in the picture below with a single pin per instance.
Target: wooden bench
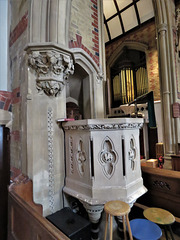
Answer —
(25, 217)
(163, 189)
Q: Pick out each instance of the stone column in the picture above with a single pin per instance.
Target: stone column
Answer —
(165, 90)
(49, 21)
(49, 68)
(94, 213)
(166, 49)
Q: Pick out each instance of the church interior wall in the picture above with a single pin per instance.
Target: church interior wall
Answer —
(83, 30)
(145, 35)
(32, 111)
(17, 41)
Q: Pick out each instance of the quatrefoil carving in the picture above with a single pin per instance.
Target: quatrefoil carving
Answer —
(108, 158)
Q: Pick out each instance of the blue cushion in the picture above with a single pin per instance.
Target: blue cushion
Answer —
(143, 229)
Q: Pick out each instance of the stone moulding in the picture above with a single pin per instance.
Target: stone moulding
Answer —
(105, 126)
(52, 68)
(51, 159)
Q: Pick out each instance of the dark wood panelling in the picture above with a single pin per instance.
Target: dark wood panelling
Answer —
(4, 179)
(163, 189)
(176, 162)
(25, 220)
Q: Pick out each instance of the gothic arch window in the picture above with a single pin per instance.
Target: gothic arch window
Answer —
(128, 76)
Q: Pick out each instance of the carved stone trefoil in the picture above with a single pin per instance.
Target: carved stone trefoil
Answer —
(108, 157)
(81, 158)
(132, 153)
(52, 69)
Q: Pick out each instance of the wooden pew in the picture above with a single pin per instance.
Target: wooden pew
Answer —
(163, 189)
(25, 217)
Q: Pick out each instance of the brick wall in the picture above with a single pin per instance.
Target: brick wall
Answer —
(146, 35)
(83, 32)
(19, 29)
(5, 100)
(17, 41)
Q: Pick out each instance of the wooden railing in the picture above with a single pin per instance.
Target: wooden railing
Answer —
(25, 217)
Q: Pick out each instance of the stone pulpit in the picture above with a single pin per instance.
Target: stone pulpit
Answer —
(103, 162)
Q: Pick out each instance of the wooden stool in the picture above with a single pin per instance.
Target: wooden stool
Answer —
(118, 209)
(161, 217)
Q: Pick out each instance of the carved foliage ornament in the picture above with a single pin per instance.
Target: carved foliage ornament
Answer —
(52, 69)
(105, 126)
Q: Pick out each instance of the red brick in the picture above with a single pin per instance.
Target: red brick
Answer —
(79, 39)
(7, 104)
(94, 17)
(95, 25)
(5, 93)
(95, 14)
(19, 29)
(96, 49)
(96, 38)
(95, 22)
(96, 45)
(95, 33)
(94, 9)
(95, 41)
(2, 98)
(16, 100)
(94, 1)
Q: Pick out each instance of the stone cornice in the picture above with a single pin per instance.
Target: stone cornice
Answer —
(115, 126)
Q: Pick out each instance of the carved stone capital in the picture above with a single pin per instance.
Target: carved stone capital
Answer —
(52, 68)
(100, 77)
(162, 27)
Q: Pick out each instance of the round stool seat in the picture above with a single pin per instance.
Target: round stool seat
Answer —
(116, 208)
(159, 216)
(119, 209)
(143, 229)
